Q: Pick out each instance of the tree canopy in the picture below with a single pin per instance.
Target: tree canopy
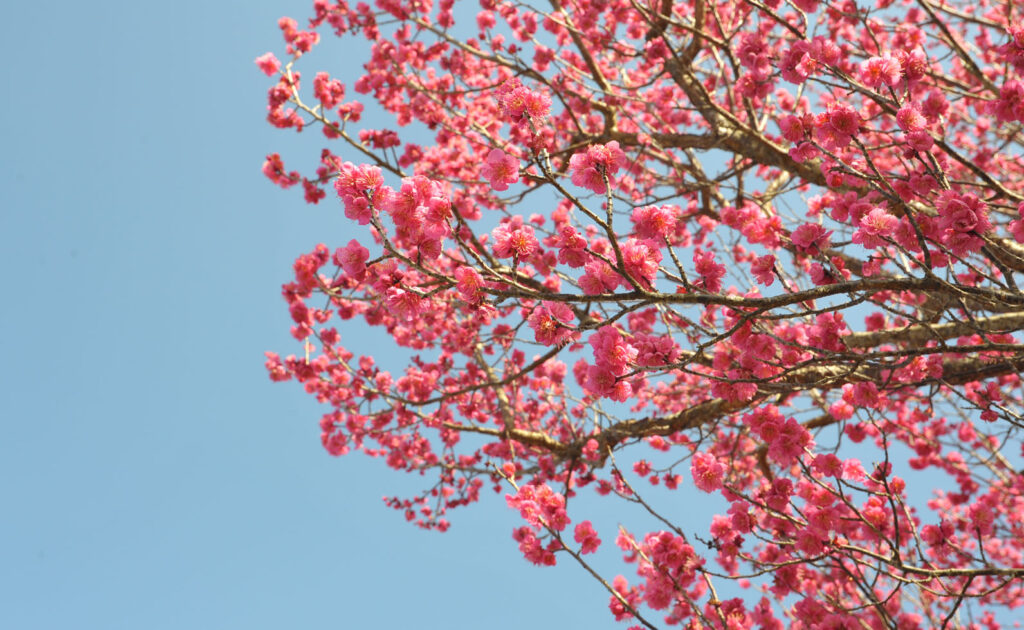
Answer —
(761, 249)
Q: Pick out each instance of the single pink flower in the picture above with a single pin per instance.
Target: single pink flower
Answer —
(763, 269)
(469, 284)
(963, 213)
(655, 221)
(708, 473)
(844, 119)
(641, 261)
(881, 70)
(874, 226)
(501, 169)
(910, 118)
(352, 258)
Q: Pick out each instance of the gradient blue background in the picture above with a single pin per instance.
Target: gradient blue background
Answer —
(151, 474)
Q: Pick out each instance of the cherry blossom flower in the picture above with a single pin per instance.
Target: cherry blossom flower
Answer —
(591, 168)
(551, 323)
(361, 189)
(708, 472)
(883, 70)
(963, 213)
(874, 226)
(910, 117)
(518, 242)
(352, 258)
(521, 104)
(763, 269)
(655, 221)
(501, 169)
(710, 272)
(811, 238)
(585, 535)
(268, 63)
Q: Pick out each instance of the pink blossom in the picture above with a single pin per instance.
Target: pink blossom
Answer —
(655, 221)
(920, 140)
(874, 226)
(1010, 104)
(514, 242)
(612, 350)
(641, 261)
(708, 473)
(600, 161)
(913, 64)
(877, 71)
(963, 213)
(404, 303)
(585, 535)
(862, 394)
(792, 128)
(268, 63)
(763, 269)
(540, 506)
(811, 238)
(710, 272)
(274, 169)
(571, 247)
(797, 64)
(736, 386)
(803, 152)
(552, 323)
(501, 169)
(654, 350)
(910, 118)
(521, 104)
(352, 258)
(361, 189)
(531, 548)
(821, 276)
(827, 465)
(601, 381)
(843, 119)
(469, 284)
(824, 50)
(789, 442)
(599, 278)
(329, 91)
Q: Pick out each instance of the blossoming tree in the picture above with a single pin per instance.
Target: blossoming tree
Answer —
(762, 249)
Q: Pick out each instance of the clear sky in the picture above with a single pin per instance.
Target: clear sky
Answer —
(151, 474)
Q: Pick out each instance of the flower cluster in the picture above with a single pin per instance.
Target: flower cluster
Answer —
(421, 211)
(613, 357)
(595, 168)
(360, 189)
(521, 104)
(552, 323)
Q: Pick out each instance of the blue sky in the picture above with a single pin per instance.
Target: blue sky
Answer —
(152, 476)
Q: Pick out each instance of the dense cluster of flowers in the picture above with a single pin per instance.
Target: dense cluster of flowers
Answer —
(767, 252)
